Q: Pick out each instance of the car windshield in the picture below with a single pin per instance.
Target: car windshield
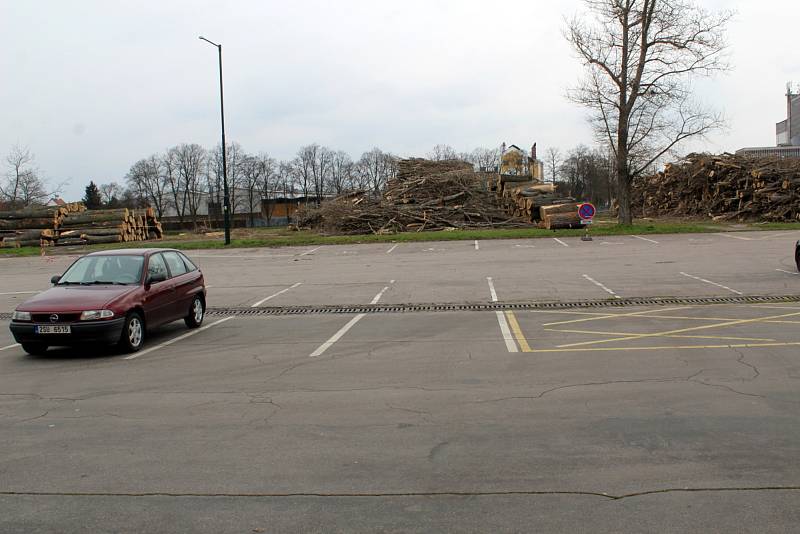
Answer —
(99, 270)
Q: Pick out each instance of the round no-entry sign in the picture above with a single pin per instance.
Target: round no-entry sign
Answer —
(586, 211)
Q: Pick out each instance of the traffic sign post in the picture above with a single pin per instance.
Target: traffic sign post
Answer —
(586, 212)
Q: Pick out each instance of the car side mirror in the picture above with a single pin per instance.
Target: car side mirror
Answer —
(55, 279)
(156, 278)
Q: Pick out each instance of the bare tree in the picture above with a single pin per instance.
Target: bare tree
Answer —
(640, 57)
(111, 194)
(553, 161)
(377, 167)
(341, 172)
(148, 182)
(23, 185)
(303, 169)
(484, 158)
(442, 152)
(186, 164)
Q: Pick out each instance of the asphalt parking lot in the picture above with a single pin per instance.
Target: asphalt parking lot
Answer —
(667, 418)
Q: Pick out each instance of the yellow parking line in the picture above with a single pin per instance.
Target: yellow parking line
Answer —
(512, 321)
(594, 332)
(682, 330)
(615, 316)
(674, 347)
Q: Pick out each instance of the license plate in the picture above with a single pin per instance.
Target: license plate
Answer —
(53, 329)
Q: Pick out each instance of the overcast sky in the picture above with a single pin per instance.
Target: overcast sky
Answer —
(92, 86)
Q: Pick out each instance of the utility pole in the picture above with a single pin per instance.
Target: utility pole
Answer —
(226, 202)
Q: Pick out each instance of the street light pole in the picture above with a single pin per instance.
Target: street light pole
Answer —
(226, 200)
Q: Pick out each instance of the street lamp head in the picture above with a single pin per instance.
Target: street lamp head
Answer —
(208, 41)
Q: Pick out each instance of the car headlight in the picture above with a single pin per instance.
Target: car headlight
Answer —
(21, 316)
(93, 315)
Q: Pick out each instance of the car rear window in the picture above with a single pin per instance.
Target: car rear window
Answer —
(175, 263)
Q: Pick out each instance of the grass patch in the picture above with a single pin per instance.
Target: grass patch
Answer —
(281, 237)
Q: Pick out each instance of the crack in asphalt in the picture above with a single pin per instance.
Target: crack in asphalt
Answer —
(742, 361)
(690, 378)
(411, 494)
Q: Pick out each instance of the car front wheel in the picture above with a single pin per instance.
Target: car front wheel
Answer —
(34, 349)
(132, 333)
(197, 312)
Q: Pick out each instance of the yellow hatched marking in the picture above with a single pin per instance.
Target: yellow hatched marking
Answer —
(594, 332)
(674, 347)
(681, 330)
(512, 321)
(614, 316)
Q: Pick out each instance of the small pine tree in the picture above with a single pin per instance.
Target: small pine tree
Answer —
(92, 198)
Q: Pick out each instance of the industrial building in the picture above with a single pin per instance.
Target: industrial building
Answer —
(787, 132)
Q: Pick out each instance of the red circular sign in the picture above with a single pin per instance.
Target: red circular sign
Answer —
(586, 210)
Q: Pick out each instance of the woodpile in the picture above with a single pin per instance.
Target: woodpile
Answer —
(72, 224)
(533, 201)
(425, 195)
(438, 195)
(724, 187)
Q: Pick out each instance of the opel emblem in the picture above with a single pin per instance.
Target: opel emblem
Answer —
(54, 318)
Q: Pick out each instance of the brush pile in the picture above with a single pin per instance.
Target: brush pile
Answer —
(425, 195)
(724, 187)
(73, 224)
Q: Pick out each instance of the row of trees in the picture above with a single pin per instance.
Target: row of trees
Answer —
(177, 181)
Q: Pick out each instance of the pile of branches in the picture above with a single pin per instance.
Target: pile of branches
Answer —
(724, 187)
(425, 195)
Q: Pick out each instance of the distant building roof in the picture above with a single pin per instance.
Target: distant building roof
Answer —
(56, 201)
(771, 151)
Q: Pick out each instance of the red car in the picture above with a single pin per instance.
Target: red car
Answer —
(112, 297)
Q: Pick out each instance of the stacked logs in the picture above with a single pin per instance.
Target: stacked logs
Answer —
(109, 226)
(34, 226)
(74, 225)
(536, 202)
(724, 187)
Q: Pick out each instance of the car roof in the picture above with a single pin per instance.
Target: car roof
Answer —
(129, 252)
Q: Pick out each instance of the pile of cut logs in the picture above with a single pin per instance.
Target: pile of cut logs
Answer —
(109, 226)
(72, 224)
(537, 202)
(724, 187)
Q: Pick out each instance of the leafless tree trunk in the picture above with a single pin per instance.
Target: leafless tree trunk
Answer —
(553, 159)
(377, 167)
(486, 159)
(640, 57)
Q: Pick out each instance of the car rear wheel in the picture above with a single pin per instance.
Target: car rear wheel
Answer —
(34, 349)
(132, 333)
(197, 311)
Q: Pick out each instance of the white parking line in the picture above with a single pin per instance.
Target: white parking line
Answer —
(477, 247)
(731, 236)
(502, 321)
(712, 283)
(645, 239)
(601, 286)
(306, 253)
(281, 292)
(9, 347)
(491, 288)
(787, 272)
(21, 292)
(392, 249)
(176, 339)
(350, 324)
(557, 240)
